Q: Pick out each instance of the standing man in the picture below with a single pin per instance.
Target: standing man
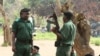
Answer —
(22, 34)
(66, 34)
(48, 26)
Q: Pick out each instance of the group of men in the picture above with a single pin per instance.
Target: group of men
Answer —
(22, 42)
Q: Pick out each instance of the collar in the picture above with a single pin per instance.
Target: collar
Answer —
(68, 21)
(24, 20)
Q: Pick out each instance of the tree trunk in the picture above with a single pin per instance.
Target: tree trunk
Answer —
(6, 27)
(1, 2)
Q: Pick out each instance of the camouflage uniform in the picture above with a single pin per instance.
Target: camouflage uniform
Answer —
(23, 32)
(68, 32)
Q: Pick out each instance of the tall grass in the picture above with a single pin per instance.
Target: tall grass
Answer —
(1, 31)
(95, 41)
(52, 36)
(45, 36)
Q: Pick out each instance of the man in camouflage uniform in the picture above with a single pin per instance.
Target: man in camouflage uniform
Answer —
(35, 51)
(22, 34)
(66, 34)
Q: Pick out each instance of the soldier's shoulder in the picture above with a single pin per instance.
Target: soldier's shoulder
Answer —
(17, 20)
(69, 23)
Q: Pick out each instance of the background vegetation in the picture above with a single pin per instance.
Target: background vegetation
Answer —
(42, 8)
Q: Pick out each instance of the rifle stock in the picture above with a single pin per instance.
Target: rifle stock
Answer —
(55, 22)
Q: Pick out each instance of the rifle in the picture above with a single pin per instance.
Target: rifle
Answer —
(54, 16)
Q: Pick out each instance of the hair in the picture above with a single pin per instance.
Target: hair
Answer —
(36, 47)
(24, 10)
(69, 15)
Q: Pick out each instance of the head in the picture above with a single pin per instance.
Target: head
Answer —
(24, 13)
(35, 50)
(67, 16)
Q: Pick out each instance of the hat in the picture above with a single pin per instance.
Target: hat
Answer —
(68, 14)
(25, 10)
(36, 47)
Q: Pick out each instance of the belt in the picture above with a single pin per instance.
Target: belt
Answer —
(23, 41)
(63, 44)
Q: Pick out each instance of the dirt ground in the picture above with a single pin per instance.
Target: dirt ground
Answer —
(46, 48)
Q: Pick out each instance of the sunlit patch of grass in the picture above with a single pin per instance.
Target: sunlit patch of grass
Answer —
(95, 41)
(5, 44)
(1, 31)
(45, 36)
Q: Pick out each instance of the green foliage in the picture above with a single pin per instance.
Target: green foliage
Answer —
(40, 2)
(43, 7)
(34, 3)
(25, 3)
(1, 19)
(1, 22)
(5, 44)
(95, 41)
(40, 7)
(13, 7)
(52, 36)
(1, 31)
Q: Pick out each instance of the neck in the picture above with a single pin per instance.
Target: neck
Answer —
(24, 19)
(67, 21)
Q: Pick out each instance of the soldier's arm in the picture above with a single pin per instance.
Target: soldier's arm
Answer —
(13, 42)
(14, 32)
(59, 35)
(55, 31)
(13, 39)
(65, 31)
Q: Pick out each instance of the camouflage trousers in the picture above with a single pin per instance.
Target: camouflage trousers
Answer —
(64, 50)
(22, 49)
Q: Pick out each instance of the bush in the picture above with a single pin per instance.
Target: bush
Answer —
(1, 31)
(95, 41)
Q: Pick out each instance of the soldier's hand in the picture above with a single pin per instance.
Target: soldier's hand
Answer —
(53, 16)
(13, 48)
(54, 30)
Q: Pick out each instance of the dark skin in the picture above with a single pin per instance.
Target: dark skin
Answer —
(34, 51)
(54, 30)
(24, 16)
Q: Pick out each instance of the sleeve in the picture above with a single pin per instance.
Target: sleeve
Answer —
(65, 32)
(14, 27)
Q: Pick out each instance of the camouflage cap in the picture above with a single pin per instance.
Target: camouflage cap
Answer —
(36, 47)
